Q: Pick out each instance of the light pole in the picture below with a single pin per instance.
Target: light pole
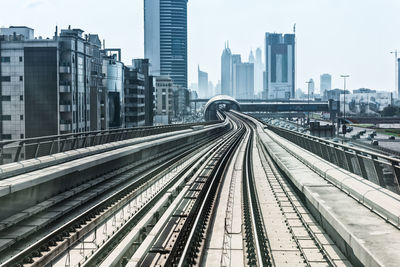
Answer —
(396, 66)
(344, 101)
(308, 101)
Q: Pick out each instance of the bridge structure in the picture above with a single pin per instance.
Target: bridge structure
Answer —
(267, 108)
(371, 120)
(233, 191)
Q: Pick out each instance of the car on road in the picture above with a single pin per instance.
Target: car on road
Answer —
(392, 137)
(375, 143)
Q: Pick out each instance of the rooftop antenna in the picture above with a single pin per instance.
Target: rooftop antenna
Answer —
(294, 28)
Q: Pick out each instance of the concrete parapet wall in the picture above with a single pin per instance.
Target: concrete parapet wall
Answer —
(361, 217)
(20, 192)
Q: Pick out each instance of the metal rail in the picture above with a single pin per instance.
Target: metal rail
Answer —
(256, 240)
(375, 167)
(89, 219)
(18, 150)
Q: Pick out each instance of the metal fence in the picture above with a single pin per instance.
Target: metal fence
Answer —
(17, 150)
(378, 168)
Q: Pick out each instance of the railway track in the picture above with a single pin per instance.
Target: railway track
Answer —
(186, 208)
(40, 238)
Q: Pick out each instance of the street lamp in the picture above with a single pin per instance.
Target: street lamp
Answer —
(344, 101)
(308, 101)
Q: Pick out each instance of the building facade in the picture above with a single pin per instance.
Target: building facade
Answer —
(202, 79)
(134, 85)
(143, 66)
(244, 81)
(325, 85)
(164, 96)
(29, 85)
(165, 38)
(114, 84)
(226, 69)
(279, 66)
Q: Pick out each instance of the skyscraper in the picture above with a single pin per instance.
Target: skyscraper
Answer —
(202, 83)
(244, 81)
(279, 66)
(235, 60)
(398, 78)
(325, 84)
(165, 38)
(311, 88)
(226, 59)
(258, 72)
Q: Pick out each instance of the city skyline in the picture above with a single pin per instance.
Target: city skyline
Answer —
(342, 42)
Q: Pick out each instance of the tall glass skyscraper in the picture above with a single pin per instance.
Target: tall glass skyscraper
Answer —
(279, 66)
(165, 38)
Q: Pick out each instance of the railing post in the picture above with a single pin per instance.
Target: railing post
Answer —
(348, 160)
(37, 150)
(51, 147)
(378, 171)
(361, 164)
(396, 170)
(16, 158)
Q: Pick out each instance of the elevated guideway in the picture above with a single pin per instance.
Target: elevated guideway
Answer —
(235, 192)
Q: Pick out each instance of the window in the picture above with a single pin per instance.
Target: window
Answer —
(21, 117)
(21, 98)
(6, 117)
(5, 78)
(22, 137)
(6, 98)
(21, 78)
(6, 137)
(5, 59)
(20, 59)
(164, 102)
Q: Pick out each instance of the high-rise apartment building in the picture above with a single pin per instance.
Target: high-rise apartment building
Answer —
(165, 38)
(143, 65)
(226, 68)
(59, 83)
(134, 86)
(279, 66)
(29, 85)
(325, 84)
(75, 76)
(202, 78)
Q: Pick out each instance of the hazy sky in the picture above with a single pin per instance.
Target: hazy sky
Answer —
(333, 36)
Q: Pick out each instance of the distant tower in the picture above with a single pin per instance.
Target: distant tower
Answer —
(251, 57)
(226, 59)
(165, 38)
(325, 84)
(203, 83)
(279, 66)
(258, 73)
(311, 88)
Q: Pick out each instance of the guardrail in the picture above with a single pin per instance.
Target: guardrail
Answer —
(378, 168)
(23, 149)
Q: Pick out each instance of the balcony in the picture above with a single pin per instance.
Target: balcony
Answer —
(65, 107)
(65, 68)
(65, 88)
(65, 126)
